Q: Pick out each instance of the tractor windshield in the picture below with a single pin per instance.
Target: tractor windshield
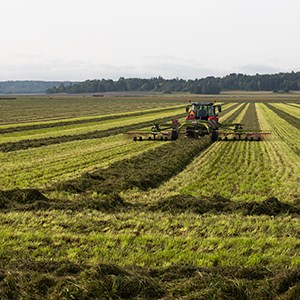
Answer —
(203, 111)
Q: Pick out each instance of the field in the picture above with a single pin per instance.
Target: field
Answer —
(86, 213)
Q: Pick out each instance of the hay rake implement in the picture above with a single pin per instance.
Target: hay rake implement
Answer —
(201, 119)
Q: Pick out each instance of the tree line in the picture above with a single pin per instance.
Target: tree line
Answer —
(28, 86)
(281, 82)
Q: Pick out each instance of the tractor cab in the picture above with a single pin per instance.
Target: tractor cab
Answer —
(202, 111)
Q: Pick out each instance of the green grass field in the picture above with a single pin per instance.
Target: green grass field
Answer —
(86, 213)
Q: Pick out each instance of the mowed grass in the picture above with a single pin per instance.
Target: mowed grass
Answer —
(292, 110)
(40, 167)
(138, 237)
(43, 108)
(87, 127)
(243, 170)
(151, 239)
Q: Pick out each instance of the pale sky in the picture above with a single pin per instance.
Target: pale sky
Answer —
(94, 39)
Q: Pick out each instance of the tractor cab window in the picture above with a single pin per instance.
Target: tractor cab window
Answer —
(211, 110)
(201, 111)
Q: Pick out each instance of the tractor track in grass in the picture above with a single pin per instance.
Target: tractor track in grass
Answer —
(287, 117)
(34, 143)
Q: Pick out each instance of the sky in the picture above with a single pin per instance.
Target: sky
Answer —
(92, 39)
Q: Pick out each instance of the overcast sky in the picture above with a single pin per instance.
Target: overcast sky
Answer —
(88, 39)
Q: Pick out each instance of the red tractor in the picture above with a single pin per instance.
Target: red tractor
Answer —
(201, 119)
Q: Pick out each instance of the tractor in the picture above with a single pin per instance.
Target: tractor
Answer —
(201, 119)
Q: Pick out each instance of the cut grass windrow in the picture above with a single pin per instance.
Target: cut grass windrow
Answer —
(294, 121)
(34, 200)
(231, 114)
(297, 105)
(291, 110)
(68, 280)
(64, 161)
(242, 113)
(144, 171)
(282, 130)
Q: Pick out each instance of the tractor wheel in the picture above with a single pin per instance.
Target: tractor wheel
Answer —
(213, 136)
(174, 135)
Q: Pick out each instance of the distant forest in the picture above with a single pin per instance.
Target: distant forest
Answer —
(29, 86)
(282, 82)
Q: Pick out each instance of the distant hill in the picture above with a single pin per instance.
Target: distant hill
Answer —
(29, 86)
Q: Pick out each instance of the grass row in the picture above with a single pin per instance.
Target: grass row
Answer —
(228, 114)
(294, 104)
(239, 117)
(82, 281)
(291, 110)
(282, 130)
(294, 121)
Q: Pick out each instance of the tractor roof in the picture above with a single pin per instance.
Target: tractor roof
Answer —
(204, 103)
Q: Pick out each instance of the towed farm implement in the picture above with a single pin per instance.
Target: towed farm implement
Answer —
(201, 119)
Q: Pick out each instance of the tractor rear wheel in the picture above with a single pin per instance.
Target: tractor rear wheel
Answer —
(174, 135)
(213, 136)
